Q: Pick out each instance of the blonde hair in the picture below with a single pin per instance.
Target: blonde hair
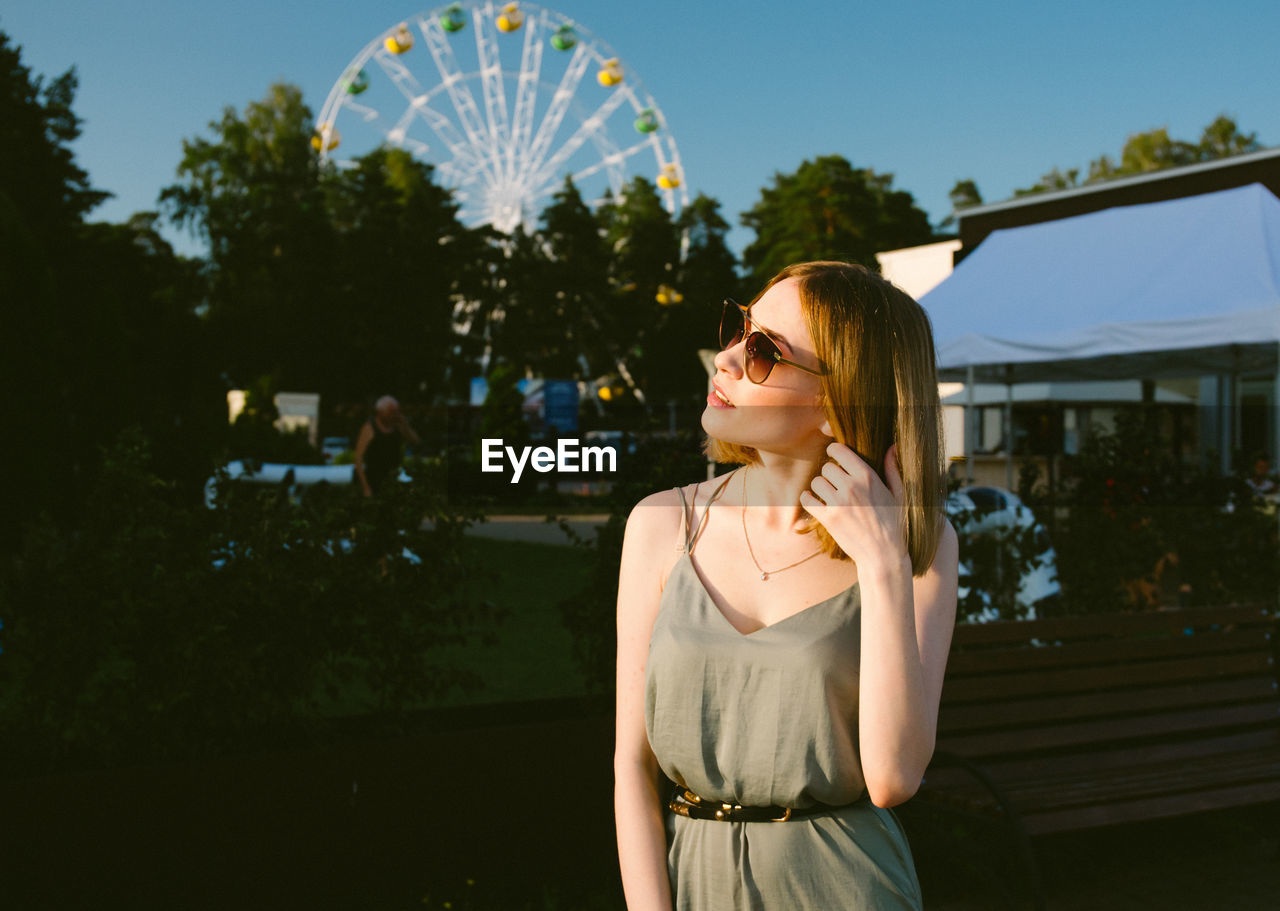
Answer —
(880, 387)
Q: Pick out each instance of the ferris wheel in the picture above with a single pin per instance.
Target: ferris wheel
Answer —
(505, 100)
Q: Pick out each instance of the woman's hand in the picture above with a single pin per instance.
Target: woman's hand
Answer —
(864, 516)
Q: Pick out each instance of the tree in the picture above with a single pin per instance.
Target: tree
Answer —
(253, 192)
(1154, 150)
(1222, 139)
(99, 327)
(1053, 180)
(398, 244)
(708, 273)
(706, 276)
(38, 172)
(562, 318)
(828, 209)
(963, 195)
(645, 247)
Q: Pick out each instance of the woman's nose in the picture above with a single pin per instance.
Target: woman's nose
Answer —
(729, 359)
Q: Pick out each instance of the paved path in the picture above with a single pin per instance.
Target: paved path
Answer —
(536, 529)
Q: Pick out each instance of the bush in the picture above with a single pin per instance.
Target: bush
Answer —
(1142, 530)
(157, 630)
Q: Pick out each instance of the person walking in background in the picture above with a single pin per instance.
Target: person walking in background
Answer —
(380, 446)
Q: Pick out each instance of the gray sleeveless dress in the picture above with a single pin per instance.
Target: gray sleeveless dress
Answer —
(768, 718)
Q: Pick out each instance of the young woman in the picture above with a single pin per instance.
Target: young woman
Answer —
(783, 630)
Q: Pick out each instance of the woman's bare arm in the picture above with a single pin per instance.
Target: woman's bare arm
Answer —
(906, 622)
(647, 553)
(906, 634)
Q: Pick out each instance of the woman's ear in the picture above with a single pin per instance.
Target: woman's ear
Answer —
(826, 429)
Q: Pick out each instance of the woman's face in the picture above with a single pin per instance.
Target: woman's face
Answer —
(782, 414)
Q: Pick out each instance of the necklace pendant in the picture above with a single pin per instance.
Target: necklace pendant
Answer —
(764, 577)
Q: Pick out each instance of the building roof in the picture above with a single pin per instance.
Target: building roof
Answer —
(977, 222)
(1174, 288)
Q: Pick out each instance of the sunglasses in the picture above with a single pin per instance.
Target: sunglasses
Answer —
(761, 351)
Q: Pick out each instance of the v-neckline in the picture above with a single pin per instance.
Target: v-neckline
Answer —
(702, 586)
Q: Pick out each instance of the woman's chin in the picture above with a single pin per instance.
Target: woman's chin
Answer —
(718, 423)
(727, 426)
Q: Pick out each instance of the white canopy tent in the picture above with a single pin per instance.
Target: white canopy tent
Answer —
(1187, 287)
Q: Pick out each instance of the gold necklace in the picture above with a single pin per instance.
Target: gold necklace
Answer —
(764, 573)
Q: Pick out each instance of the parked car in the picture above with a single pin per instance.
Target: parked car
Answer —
(294, 478)
(978, 509)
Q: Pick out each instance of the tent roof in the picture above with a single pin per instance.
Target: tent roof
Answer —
(1177, 288)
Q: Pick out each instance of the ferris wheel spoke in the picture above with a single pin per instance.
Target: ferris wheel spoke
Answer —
(611, 161)
(467, 173)
(464, 103)
(526, 98)
(416, 146)
(491, 85)
(593, 125)
(442, 126)
(564, 93)
(399, 132)
(367, 114)
(398, 73)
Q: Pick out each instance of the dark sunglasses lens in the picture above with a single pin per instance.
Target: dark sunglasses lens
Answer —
(761, 356)
(730, 325)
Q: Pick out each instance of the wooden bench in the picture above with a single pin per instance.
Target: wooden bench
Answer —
(1074, 723)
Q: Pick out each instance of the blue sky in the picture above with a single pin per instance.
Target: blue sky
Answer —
(930, 91)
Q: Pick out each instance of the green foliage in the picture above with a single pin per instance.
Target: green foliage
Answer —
(100, 331)
(158, 630)
(645, 249)
(828, 209)
(554, 288)
(1052, 180)
(400, 251)
(38, 173)
(1154, 150)
(963, 195)
(1142, 530)
(501, 415)
(705, 278)
(338, 282)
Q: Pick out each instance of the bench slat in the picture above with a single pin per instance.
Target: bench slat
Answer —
(1151, 808)
(1104, 761)
(1026, 683)
(1053, 736)
(957, 719)
(1090, 653)
(1109, 626)
(1051, 790)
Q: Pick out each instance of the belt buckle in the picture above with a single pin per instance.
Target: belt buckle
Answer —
(686, 803)
(725, 810)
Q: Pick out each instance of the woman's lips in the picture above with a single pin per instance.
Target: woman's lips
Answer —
(716, 398)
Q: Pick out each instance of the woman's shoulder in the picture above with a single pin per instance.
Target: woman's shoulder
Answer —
(660, 514)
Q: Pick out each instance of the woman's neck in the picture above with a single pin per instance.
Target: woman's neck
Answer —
(775, 482)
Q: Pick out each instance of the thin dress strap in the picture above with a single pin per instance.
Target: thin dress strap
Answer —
(694, 532)
(683, 545)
